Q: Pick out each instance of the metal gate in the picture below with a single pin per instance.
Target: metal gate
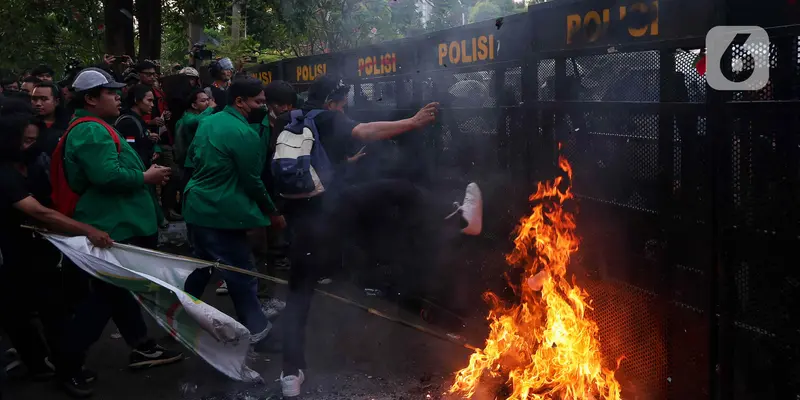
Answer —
(688, 197)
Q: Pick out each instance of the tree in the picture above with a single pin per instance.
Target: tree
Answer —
(484, 11)
(49, 32)
(445, 14)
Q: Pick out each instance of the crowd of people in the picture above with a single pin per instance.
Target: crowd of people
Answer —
(114, 157)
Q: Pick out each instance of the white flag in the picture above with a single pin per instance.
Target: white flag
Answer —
(156, 280)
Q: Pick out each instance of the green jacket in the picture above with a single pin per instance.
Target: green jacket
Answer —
(186, 127)
(113, 195)
(226, 191)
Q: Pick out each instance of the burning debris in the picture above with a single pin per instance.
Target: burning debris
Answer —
(544, 347)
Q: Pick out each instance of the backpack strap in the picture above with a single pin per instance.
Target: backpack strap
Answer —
(108, 127)
(136, 121)
(313, 113)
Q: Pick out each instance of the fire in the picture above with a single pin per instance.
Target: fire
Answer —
(546, 346)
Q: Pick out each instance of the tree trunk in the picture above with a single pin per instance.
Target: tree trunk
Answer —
(148, 15)
(119, 27)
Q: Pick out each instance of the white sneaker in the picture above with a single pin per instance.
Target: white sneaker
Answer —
(471, 210)
(222, 288)
(272, 307)
(290, 385)
(325, 281)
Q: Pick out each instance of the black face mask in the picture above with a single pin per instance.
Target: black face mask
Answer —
(257, 115)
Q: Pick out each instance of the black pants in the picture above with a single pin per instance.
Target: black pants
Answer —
(318, 226)
(105, 301)
(33, 285)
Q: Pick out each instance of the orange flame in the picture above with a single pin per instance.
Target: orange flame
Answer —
(545, 345)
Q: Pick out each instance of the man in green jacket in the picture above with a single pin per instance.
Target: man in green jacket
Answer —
(199, 106)
(116, 196)
(226, 197)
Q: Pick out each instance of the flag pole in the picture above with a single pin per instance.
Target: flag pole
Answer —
(461, 342)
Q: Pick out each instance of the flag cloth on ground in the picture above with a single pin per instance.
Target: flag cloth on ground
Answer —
(155, 279)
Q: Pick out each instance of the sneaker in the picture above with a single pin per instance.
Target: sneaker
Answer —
(325, 281)
(12, 365)
(290, 385)
(272, 307)
(88, 375)
(222, 289)
(471, 210)
(152, 357)
(258, 337)
(77, 387)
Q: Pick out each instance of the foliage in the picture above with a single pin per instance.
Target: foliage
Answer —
(483, 11)
(34, 32)
(318, 26)
(445, 14)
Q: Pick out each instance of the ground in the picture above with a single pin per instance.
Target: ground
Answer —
(352, 355)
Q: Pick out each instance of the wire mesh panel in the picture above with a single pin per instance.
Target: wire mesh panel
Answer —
(762, 224)
(626, 108)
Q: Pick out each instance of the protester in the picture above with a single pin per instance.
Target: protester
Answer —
(131, 78)
(29, 83)
(221, 72)
(156, 121)
(44, 73)
(316, 222)
(52, 117)
(194, 76)
(281, 98)
(138, 102)
(199, 106)
(10, 86)
(226, 197)
(115, 195)
(26, 256)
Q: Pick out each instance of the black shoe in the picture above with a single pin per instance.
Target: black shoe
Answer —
(77, 387)
(154, 356)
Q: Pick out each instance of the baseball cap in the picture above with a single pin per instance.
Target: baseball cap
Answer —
(189, 71)
(92, 77)
(327, 88)
(226, 64)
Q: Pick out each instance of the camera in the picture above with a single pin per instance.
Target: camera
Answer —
(200, 53)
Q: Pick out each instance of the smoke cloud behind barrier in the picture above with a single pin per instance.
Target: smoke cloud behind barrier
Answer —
(154, 278)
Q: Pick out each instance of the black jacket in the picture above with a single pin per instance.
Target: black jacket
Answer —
(133, 128)
(50, 135)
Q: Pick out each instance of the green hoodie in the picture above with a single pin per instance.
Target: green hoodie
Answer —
(113, 195)
(226, 191)
(186, 127)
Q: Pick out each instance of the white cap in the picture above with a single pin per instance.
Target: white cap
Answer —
(189, 71)
(91, 78)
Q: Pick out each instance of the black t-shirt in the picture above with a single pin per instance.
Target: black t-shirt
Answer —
(13, 188)
(336, 135)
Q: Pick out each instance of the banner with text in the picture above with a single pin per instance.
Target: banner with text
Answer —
(155, 279)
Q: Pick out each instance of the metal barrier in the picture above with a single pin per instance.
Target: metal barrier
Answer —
(688, 197)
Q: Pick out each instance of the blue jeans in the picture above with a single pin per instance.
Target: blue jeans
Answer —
(229, 247)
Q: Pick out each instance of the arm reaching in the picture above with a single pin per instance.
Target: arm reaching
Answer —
(61, 222)
(383, 130)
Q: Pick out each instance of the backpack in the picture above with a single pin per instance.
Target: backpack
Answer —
(300, 166)
(135, 120)
(64, 199)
